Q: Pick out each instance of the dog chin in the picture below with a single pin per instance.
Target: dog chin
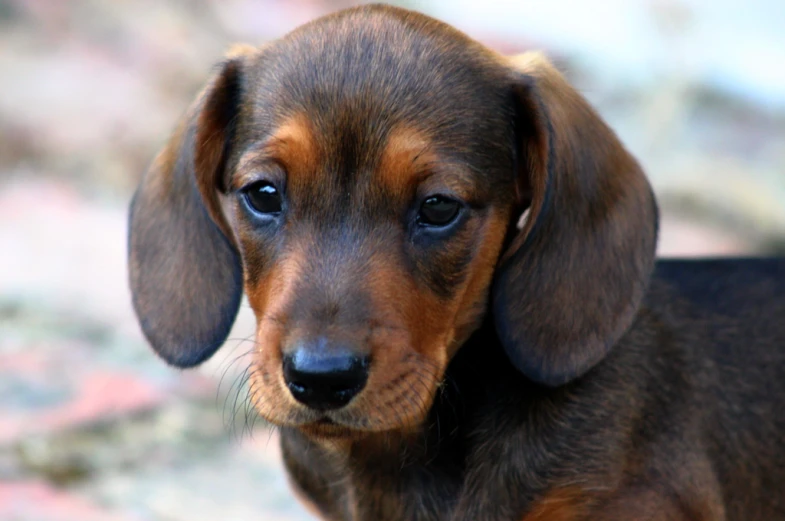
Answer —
(329, 430)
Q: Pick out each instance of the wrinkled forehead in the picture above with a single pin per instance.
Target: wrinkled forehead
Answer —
(398, 164)
(365, 111)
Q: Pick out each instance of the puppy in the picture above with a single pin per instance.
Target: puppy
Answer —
(427, 353)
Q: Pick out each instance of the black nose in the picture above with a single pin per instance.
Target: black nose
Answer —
(324, 380)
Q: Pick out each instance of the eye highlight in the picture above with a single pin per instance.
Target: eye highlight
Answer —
(438, 210)
(263, 197)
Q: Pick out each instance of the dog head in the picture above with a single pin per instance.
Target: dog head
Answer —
(377, 183)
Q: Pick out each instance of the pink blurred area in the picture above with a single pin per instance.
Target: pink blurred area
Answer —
(92, 425)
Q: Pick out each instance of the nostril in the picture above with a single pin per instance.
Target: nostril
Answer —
(324, 380)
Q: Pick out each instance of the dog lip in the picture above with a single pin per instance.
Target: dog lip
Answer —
(327, 428)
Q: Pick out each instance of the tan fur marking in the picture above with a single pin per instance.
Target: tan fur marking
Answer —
(268, 298)
(292, 146)
(472, 303)
(405, 156)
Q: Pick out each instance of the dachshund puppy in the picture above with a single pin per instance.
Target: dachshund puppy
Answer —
(427, 353)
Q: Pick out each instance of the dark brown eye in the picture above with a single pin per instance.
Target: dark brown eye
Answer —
(263, 197)
(438, 211)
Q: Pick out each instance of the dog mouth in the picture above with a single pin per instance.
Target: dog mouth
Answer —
(328, 428)
(398, 401)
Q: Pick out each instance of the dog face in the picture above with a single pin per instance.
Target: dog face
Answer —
(362, 180)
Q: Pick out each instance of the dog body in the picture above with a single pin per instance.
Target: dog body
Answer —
(427, 353)
(682, 420)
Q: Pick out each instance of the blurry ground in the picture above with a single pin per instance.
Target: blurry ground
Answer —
(92, 425)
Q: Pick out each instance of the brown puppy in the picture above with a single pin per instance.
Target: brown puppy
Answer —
(427, 353)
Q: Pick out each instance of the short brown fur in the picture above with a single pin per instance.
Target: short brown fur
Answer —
(549, 371)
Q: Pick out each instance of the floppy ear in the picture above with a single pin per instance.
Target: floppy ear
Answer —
(185, 272)
(573, 276)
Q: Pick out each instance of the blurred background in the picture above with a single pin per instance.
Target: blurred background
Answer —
(92, 425)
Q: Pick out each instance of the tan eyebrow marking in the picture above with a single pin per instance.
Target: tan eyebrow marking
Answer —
(292, 146)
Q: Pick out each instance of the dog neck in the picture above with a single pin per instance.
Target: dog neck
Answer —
(382, 475)
(377, 475)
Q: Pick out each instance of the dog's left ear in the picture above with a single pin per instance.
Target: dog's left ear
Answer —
(574, 274)
(185, 270)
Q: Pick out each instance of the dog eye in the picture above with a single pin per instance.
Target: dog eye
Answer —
(438, 211)
(263, 197)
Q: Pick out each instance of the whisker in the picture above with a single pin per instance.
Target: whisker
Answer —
(231, 363)
(250, 411)
(235, 409)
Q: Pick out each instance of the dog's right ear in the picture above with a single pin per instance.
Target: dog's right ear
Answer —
(185, 271)
(578, 264)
